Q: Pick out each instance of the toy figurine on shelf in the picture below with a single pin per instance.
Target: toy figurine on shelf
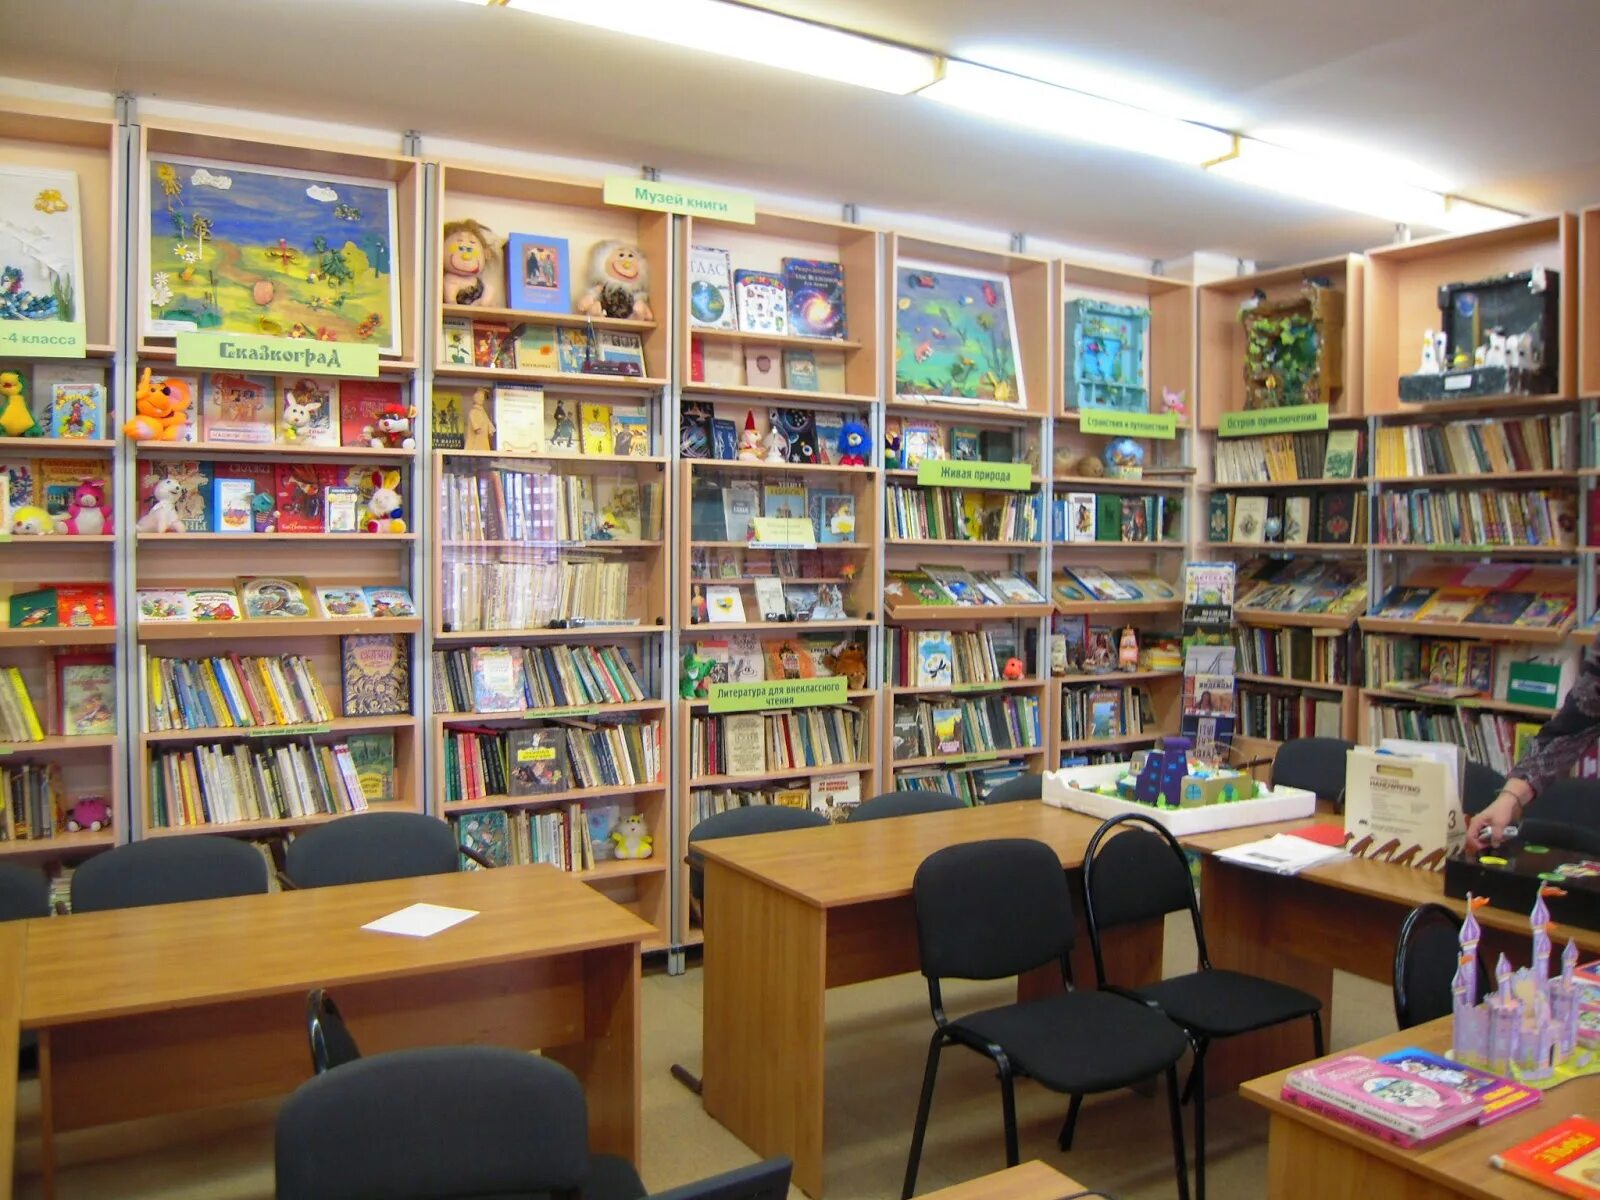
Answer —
(17, 420)
(777, 444)
(850, 660)
(699, 614)
(695, 679)
(472, 273)
(1124, 459)
(86, 512)
(1432, 355)
(480, 428)
(33, 521)
(1013, 670)
(392, 429)
(162, 516)
(1128, 650)
(632, 836)
(1174, 402)
(750, 440)
(383, 506)
(161, 410)
(619, 283)
(855, 444)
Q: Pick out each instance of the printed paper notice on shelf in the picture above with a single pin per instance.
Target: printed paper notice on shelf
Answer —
(1293, 418)
(420, 920)
(1106, 423)
(945, 472)
(784, 533)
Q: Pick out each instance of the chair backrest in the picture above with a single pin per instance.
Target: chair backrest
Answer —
(24, 892)
(1134, 870)
(446, 1121)
(366, 847)
(1315, 764)
(168, 870)
(987, 910)
(1425, 959)
(1479, 787)
(331, 1042)
(742, 822)
(1569, 802)
(1023, 787)
(767, 1180)
(905, 804)
(1584, 839)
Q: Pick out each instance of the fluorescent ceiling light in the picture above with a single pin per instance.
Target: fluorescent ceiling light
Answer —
(1075, 115)
(1467, 216)
(751, 35)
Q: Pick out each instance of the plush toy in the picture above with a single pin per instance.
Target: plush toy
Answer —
(749, 440)
(1090, 467)
(31, 520)
(160, 410)
(1173, 402)
(619, 282)
(86, 512)
(300, 404)
(17, 419)
(384, 503)
(264, 512)
(891, 450)
(632, 837)
(472, 267)
(480, 428)
(392, 429)
(694, 680)
(163, 515)
(850, 660)
(1013, 669)
(90, 813)
(855, 444)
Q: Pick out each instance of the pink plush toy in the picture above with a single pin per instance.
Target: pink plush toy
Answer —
(88, 513)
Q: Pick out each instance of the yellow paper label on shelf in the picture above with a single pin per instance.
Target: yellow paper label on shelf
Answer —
(536, 753)
(42, 339)
(944, 472)
(288, 730)
(581, 710)
(1128, 424)
(657, 196)
(246, 352)
(778, 693)
(1292, 419)
(789, 533)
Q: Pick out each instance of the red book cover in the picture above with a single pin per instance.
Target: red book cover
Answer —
(299, 491)
(84, 605)
(1564, 1158)
(360, 402)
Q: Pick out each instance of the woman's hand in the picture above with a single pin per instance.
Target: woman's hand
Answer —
(1488, 828)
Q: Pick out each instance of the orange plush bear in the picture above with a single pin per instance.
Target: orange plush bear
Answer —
(159, 409)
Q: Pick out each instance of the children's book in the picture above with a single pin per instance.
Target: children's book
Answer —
(597, 429)
(214, 604)
(694, 431)
(1105, 713)
(158, 605)
(519, 418)
(538, 761)
(1385, 1096)
(630, 432)
(299, 487)
(308, 411)
(574, 350)
(1297, 520)
(816, 297)
(1012, 588)
(920, 440)
(934, 658)
(497, 679)
(445, 426)
(947, 729)
(964, 445)
(341, 509)
(618, 505)
(800, 372)
(958, 583)
(373, 757)
(1499, 1096)
(457, 342)
(237, 408)
(561, 428)
(1451, 604)
(1339, 459)
(912, 589)
(744, 735)
(77, 410)
(763, 367)
(1564, 1158)
(762, 302)
(232, 505)
(836, 796)
(343, 602)
(389, 601)
(537, 273)
(800, 601)
(194, 490)
(799, 426)
(60, 478)
(724, 604)
(741, 502)
(830, 425)
(834, 516)
(1080, 517)
(361, 402)
(493, 346)
(1100, 584)
(625, 350)
(1500, 608)
(38, 609)
(274, 597)
(724, 439)
(1548, 610)
(1249, 520)
(487, 834)
(86, 691)
(783, 499)
(375, 672)
(710, 287)
(538, 349)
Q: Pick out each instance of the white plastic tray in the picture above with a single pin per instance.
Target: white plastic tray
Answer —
(1274, 804)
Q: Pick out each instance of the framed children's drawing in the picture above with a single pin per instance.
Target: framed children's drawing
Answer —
(261, 250)
(955, 336)
(41, 245)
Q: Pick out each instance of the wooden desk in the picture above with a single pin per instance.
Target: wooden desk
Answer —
(1310, 1157)
(13, 957)
(1031, 1181)
(162, 1010)
(789, 915)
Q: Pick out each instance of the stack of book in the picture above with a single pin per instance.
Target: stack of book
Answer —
(233, 692)
(758, 743)
(217, 785)
(1302, 586)
(1326, 518)
(833, 795)
(958, 514)
(571, 838)
(1116, 517)
(924, 729)
(1488, 446)
(928, 585)
(1311, 655)
(1489, 738)
(1103, 713)
(79, 605)
(539, 507)
(1544, 517)
(1078, 584)
(1500, 605)
(31, 796)
(724, 508)
(1289, 457)
(551, 759)
(1281, 713)
(970, 784)
(535, 588)
(487, 679)
(940, 657)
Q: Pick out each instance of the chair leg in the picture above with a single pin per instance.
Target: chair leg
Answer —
(1175, 1108)
(1316, 1034)
(1064, 1140)
(686, 1077)
(930, 1072)
(1008, 1106)
(1197, 1081)
(1201, 1045)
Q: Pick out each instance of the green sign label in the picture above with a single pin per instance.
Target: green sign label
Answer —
(973, 756)
(1293, 419)
(680, 198)
(944, 472)
(778, 693)
(244, 352)
(288, 730)
(578, 710)
(1128, 424)
(976, 687)
(42, 339)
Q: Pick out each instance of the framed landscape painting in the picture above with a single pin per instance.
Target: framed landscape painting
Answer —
(260, 250)
(41, 245)
(955, 336)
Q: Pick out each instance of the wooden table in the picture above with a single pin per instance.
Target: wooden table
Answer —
(163, 1010)
(1310, 1157)
(13, 957)
(789, 915)
(1031, 1181)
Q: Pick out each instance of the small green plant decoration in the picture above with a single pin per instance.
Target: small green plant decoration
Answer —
(1289, 346)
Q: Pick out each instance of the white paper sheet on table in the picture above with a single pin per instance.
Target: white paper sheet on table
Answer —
(420, 920)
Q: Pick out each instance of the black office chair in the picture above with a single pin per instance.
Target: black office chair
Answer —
(1023, 787)
(24, 894)
(1479, 787)
(1425, 959)
(1140, 873)
(735, 822)
(168, 870)
(994, 909)
(767, 1180)
(332, 1044)
(905, 804)
(366, 847)
(1314, 764)
(441, 1123)
(1574, 802)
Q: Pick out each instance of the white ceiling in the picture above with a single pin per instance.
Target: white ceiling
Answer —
(1497, 101)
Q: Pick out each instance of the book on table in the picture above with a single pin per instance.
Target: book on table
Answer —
(1381, 1099)
(1564, 1158)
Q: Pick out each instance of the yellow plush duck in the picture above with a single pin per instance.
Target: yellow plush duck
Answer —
(17, 420)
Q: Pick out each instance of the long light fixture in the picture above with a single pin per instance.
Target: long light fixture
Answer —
(751, 35)
(1077, 116)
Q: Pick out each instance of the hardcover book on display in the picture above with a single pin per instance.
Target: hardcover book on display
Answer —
(762, 302)
(537, 273)
(816, 298)
(710, 288)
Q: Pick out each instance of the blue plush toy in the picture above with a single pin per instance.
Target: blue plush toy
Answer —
(855, 444)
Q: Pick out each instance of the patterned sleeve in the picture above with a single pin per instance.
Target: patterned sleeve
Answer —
(1565, 736)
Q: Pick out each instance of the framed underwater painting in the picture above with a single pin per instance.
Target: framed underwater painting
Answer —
(41, 245)
(955, 336)
(263, 250)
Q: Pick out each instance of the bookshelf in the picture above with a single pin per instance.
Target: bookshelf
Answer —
(58, 630)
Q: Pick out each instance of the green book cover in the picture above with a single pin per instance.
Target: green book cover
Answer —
(1535, 683)
(1108, 517)
(373, 755)
(34, 610)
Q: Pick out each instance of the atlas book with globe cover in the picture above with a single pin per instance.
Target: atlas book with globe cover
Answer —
(710, 287)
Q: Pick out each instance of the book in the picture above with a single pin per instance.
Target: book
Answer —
(1451, 604)
(920, 440)
(518, 418)
(237, 408)
(1564, 1158)
(1249, 520)
(958, 583)
(341, 509)
(446, 429)
(596, 429)
(816, 297)
(375, 674)
(538, 273)
(910, 589)
(799, 426)
(457, 333)
(37, 609)
(741, 499)
(86, 693)
(308, 411)
(1547, 610)
(343, 602)
(622, 351)
(745, 735)
(761, 301)
(231, 505)
(497, 679)
(1499, 1096)
(763, 367)
(800, 372)
(493, 346)
(710, 288)
(372, 756)
(299, 491)
(361, 403)
(836, 796)
(724, 604)
(630, 432)
(783, 499)
(947, 729)
(724, 439)
(933, 658)
(537, 349)
(77, 410)
(1410, 1106)
(1297, 520)
(538, 762)
(1339, 458)
(1500, 608)
(158, 605)
(274, 597)
(694, 431)
(389, 601)
(214, 604)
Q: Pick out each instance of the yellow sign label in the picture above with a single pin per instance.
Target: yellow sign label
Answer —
(793, 533)
(42, 339)
(245, 352)
(778, 693)
(1104, 423)
(680, 198)
(536, 753)
(1293, 419)
(1005, 477)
